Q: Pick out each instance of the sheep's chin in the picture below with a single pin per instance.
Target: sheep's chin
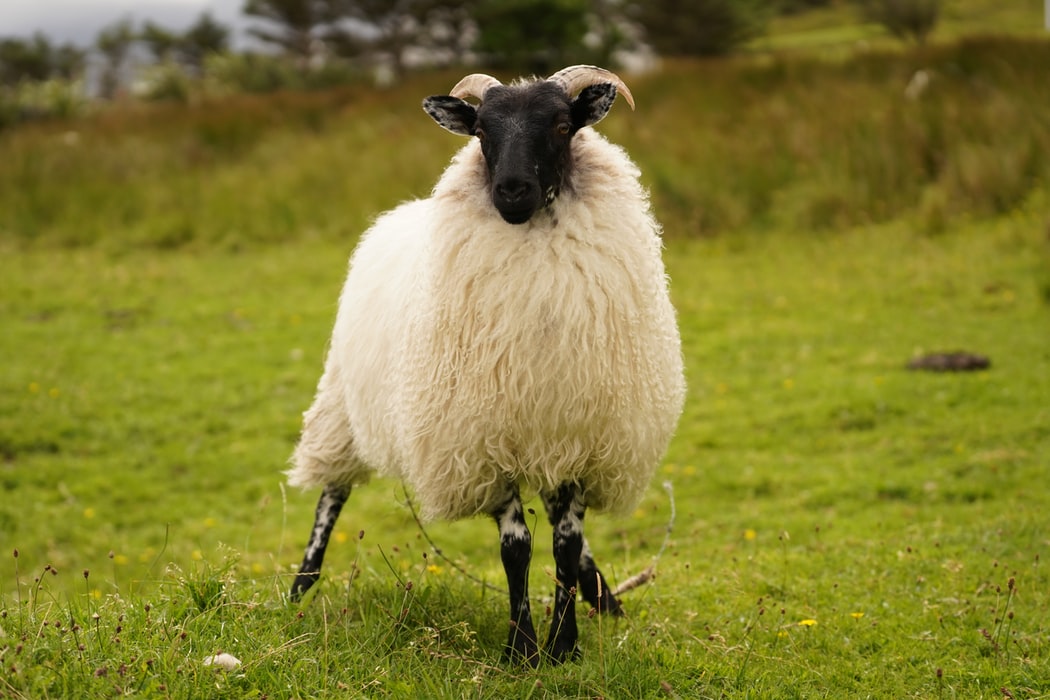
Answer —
(517, 216)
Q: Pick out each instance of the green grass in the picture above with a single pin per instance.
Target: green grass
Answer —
(838, 29)
(842, 527)
(150, 400)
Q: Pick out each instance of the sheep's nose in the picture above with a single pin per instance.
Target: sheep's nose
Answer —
(512, 190)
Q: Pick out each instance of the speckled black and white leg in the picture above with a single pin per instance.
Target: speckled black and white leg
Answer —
(516, 553)
(328, 508)
(565, 508)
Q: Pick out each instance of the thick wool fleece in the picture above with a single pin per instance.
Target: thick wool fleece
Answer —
(468, 352)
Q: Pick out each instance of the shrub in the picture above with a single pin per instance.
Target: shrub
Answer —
(260, 73)
(700, 27)
(791, 7)
(905, 19)
(54, 98)
(536, 36)
(249, 72)
(165, 81)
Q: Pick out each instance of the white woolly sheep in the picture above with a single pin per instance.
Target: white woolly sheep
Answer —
(510, 334)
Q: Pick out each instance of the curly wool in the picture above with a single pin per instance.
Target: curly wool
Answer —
(468, 352)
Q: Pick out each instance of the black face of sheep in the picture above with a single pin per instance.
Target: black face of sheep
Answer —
(525, 130)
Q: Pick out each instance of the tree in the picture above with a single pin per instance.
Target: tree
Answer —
(905, 19)
(37, 59)
(609, 31)
(25, 60)
(114, 42)
(205, 37)
(161, 42)
(297, 27)
(531, 35)
(386, 29)
(699, 27)
(67, 61)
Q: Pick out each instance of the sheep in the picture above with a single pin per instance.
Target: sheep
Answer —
(511, 334)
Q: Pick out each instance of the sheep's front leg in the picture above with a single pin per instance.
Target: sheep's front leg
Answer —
(328, 508)
(565, 508)
(516, 553)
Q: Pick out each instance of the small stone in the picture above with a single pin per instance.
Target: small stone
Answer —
(224, 661)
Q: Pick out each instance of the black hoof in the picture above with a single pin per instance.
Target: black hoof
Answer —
(609, 605)
(521, 647)
(302, 583)
(561, 651)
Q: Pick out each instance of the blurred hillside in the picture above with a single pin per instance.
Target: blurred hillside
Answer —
(785, 142)
(824, 121)
(837, 26)
(149, 54)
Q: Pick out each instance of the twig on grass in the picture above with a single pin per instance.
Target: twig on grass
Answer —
(642, 577)
(437, 550)
(649, 573)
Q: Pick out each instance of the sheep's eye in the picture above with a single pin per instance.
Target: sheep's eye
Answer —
(564, 128)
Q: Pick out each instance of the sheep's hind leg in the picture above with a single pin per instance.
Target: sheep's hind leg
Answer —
(516, 553)
(328, 508)
(565, 509)
(594, 587)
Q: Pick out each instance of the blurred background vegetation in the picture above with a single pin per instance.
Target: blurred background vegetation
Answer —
(295, 44)
(833, 113)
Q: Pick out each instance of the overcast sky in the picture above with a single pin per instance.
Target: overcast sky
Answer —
(79, 21)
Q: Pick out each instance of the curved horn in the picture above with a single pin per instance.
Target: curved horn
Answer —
(575, 78)
(474, 85)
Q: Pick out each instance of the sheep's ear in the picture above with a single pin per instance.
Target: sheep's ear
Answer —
(452, 113)
(592, 104)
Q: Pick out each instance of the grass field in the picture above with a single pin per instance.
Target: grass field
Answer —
(838, 28)
(839, 526)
